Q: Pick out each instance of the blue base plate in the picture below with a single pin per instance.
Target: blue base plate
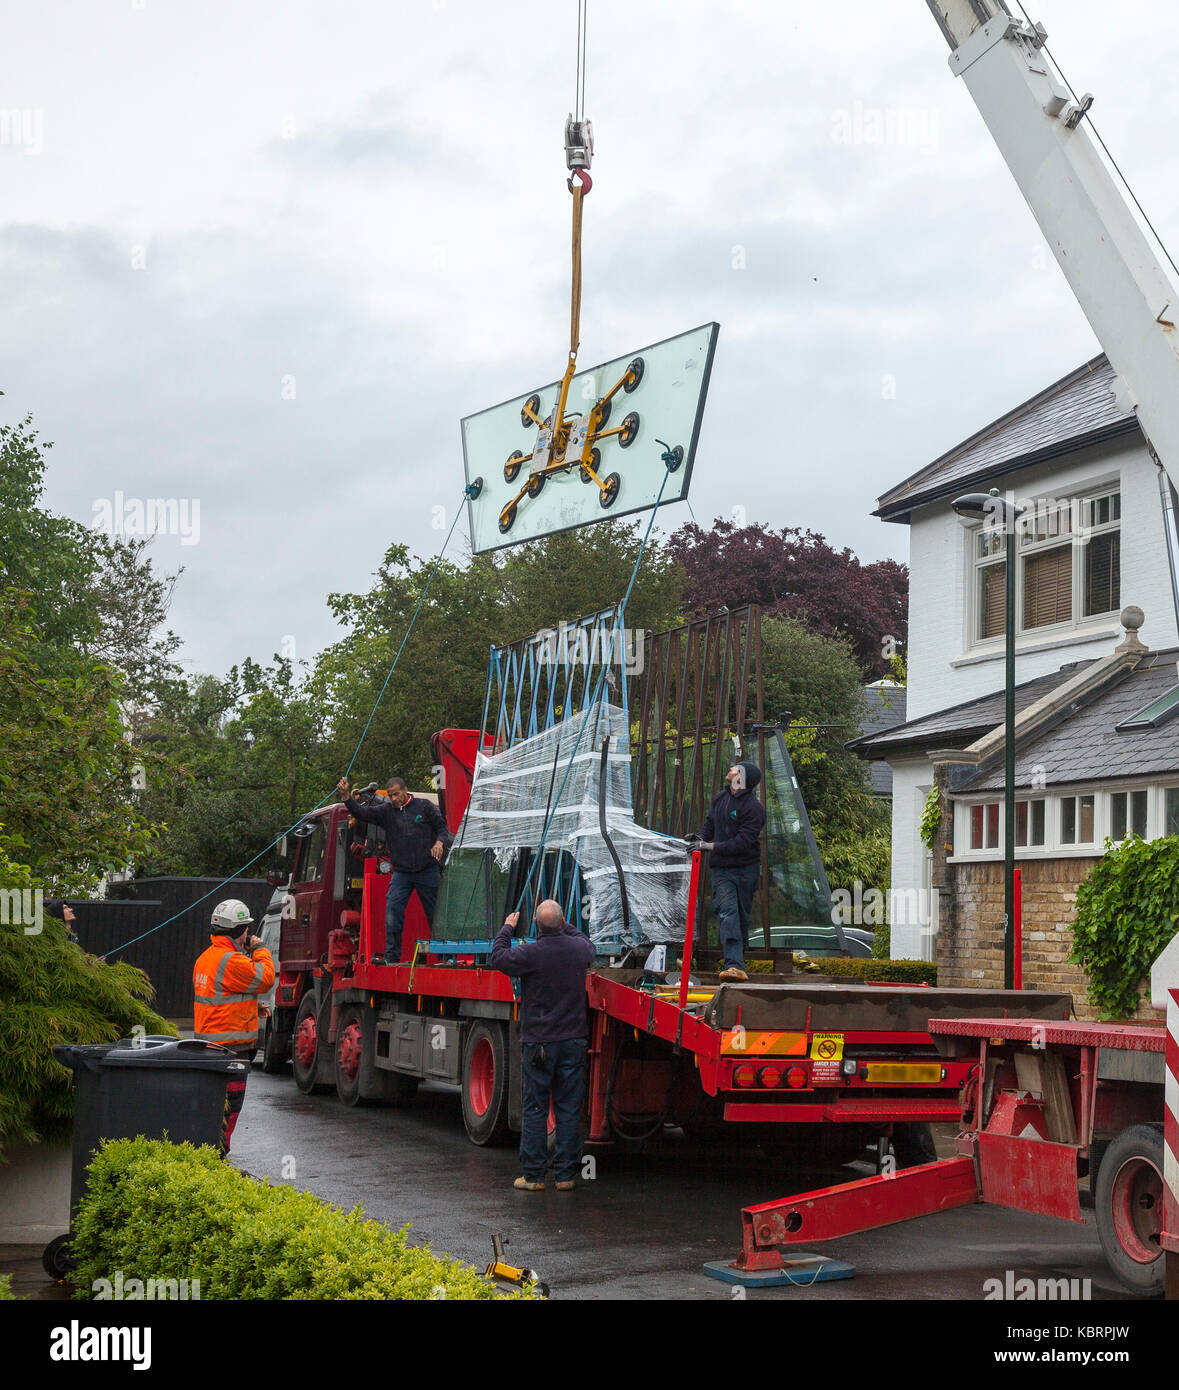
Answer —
(801, 1270)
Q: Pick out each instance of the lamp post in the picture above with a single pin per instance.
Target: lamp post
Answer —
(991, 507)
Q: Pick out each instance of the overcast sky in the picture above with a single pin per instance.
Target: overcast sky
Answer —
(263, 257)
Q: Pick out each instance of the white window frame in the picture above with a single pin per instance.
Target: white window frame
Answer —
(976, 562)
(1053, 846)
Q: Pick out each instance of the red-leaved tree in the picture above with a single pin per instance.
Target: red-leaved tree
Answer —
(796, 572)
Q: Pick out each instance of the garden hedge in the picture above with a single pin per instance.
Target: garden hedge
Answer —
(160, 1211)
(901, 972)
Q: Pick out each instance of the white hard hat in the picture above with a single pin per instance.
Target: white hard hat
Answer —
(231, 916)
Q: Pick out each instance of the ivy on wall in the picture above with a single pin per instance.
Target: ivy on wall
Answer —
(931, 816)
(1126, 913)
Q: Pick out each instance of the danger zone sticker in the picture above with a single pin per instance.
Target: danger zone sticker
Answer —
(827, 1047)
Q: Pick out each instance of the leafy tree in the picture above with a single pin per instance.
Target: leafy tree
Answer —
(798, 574)
(816, 680)
(230, 763)
(489, 600)
(91, 600)
(46, 558)
(68, 770)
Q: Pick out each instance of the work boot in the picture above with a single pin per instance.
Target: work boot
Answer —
(566, 1185)
(526, 1185)
(733, 973)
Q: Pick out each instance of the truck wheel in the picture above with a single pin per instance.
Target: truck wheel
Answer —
(275, 1048)
(1129, 1207)
(349, 1057)
(305, 1047)
(485, 1084)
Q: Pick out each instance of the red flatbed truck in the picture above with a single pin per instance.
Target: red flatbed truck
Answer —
(802, 1062)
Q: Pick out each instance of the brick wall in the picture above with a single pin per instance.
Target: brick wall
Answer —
(970, 939)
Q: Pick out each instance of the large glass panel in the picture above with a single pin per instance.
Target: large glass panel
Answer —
(797, 895)
(1138, 813)
(1172, 811)
(976, 827)
(1085, 820)
(472, 897)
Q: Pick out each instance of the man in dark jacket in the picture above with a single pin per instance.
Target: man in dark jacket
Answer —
(416, 837)
(554, 1031)
(732, 831)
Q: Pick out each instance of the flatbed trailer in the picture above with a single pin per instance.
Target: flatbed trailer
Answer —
(811, 1066)
(1048, 1103)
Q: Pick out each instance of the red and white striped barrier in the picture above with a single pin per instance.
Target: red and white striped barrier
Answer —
(1171, 1121)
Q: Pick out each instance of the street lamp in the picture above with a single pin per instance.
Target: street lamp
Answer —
(990, 507)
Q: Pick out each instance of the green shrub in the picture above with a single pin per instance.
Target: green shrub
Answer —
(1126, 914)
(51, 992)
(901, 972)
(6, 1294)
(165, 1211)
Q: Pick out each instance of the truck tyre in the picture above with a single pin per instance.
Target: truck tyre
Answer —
(485, 1084)
(307, 1046)
(348, 1058)
(1129, 1207)
(275, 1047)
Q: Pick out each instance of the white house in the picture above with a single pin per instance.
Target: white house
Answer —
(1097, 536)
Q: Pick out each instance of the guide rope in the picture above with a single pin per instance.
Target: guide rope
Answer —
(290, 829)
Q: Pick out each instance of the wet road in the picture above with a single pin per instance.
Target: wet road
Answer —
(648, 1222)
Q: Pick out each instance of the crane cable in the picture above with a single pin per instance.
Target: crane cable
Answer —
(1097, 136)
(579, 189)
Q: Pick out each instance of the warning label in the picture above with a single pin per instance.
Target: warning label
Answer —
(827, 1047)
(823, 1072)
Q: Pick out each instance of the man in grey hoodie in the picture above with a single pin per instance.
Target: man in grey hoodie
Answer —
(732, 831)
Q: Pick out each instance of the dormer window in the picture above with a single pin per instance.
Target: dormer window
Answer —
(1069, 566)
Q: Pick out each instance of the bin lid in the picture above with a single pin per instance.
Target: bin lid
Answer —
(153, 1050)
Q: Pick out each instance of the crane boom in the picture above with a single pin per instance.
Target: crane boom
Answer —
(1118, 281)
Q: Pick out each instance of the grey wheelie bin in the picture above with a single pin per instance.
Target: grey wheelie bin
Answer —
(152, 1086)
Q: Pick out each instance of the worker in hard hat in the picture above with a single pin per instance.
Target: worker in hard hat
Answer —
(226, 982)
(732, 831)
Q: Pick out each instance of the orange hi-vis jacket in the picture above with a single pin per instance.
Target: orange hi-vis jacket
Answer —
(226, 986)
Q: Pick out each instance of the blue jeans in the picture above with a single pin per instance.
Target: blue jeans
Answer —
(553, 1070)
(401, 885)
(732, 897)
